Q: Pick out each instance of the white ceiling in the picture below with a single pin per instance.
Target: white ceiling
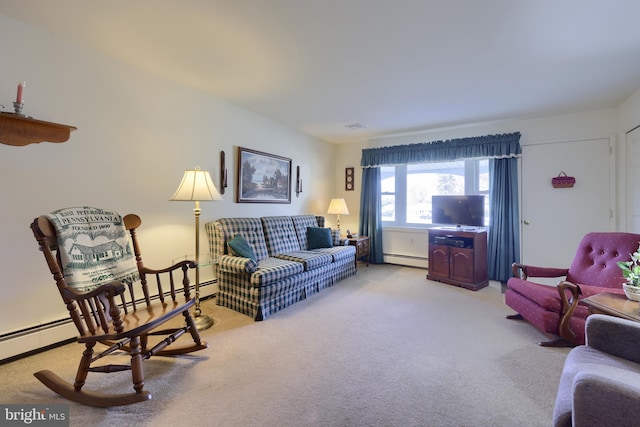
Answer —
(388, 65)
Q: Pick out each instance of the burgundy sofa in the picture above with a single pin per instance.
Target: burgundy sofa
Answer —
(558, 311)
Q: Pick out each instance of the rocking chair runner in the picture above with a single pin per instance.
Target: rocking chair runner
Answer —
(110, 314)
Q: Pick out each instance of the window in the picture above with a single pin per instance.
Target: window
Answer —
(407, 189)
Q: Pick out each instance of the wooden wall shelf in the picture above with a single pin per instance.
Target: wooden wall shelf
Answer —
(20, 130)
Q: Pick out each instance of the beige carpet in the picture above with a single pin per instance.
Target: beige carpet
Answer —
(383, 348)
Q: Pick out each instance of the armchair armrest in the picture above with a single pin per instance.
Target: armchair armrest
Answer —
(525, 271)
(569, 304)
(613, 335)
(236, 264)
(598, 400)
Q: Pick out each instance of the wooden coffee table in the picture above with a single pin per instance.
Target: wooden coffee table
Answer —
(613, 304)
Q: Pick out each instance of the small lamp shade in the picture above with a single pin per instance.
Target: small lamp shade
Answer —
(196, 185)
(338, 207)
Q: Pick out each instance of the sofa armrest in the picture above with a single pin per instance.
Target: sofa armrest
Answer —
(613, 335)
(337, 240)
(598, 400)
(236, 264)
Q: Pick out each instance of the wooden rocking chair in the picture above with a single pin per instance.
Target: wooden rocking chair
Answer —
(120, 316)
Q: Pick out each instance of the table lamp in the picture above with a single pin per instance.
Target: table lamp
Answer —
(338, 207)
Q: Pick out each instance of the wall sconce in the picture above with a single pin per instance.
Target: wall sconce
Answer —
(298, 182)
(223, 173)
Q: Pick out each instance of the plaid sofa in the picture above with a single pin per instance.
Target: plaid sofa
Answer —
(284, 272)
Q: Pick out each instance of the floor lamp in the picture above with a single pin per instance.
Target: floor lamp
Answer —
(338, 207)
(197, 186)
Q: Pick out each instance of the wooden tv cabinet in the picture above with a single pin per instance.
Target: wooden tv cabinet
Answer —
(458, 256)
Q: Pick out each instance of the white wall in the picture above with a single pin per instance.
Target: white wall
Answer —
(409, 243)
(136, 135)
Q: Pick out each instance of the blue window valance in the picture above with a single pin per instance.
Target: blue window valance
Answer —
(480, 147)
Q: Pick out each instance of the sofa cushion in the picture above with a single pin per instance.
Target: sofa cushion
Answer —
(543, 295)
(241, 248)
(301, 223)
(222, 230)
(280, 235)
(318, 237)
(548, 297)
(339, 253)
(310, 259)
(271, 270)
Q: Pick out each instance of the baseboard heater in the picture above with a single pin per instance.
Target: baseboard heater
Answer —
(37, 338)
(408, 260)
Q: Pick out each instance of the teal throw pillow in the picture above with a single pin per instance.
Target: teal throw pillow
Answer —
(241, 247)
(318, 237)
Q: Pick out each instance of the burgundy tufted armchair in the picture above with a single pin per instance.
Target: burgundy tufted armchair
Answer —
(557, 311)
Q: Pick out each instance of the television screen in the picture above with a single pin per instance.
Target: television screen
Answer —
(458, 210)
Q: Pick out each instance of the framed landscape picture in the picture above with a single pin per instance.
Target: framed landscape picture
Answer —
(263, 178)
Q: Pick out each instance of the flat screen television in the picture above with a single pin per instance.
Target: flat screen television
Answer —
(458, 210)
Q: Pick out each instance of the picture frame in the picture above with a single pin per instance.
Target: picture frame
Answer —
(263, 177)
(349, 179)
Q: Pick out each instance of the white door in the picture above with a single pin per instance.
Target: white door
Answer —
(633, 176)
(554, 220)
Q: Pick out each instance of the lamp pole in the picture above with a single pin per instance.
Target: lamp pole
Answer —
(202, 320)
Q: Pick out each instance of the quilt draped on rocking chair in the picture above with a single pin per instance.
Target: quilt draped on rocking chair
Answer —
(95, 247)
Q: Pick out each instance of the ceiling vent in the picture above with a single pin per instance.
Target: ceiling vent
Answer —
(355, 126)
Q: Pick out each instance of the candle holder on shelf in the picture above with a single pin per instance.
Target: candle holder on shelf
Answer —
(17, 106)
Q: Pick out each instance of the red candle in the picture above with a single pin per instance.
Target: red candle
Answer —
(19, 96)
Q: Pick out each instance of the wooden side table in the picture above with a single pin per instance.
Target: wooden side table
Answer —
(362, 248)
(614, 305)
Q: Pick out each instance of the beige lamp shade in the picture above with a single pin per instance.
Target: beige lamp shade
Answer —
(338, 207)
(196, 185)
